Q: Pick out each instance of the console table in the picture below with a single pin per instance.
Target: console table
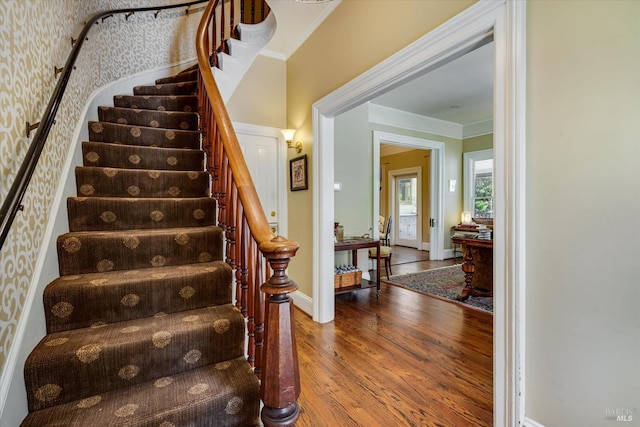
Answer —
(353, 244)
(477, 266)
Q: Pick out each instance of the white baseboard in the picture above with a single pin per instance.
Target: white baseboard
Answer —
(449, 253)
(425, 246)
(303, 302)
(528, 422)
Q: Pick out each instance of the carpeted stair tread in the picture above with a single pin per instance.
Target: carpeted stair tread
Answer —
(106, 154)
(184, 76)
(98, 252)
(125, 353)
(224, 394)
(143, 135)
(179, 88)
(98, 297)
(150, 118)
(91, 181)
(121, 213)
(187, 103)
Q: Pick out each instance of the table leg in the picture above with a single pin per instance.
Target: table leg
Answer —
(469, 268)
(378, 270)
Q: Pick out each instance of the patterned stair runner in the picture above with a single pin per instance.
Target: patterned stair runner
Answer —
(141, 330)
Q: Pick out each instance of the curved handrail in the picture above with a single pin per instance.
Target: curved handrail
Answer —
(256, 218)
(12, 203)
(250, 241)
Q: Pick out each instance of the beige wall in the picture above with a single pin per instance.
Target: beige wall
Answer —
(36, 36)
(482, 142)
(327, 60)
(264, 85)
(583, 199)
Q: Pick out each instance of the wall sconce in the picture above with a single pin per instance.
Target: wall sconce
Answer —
(288, 136)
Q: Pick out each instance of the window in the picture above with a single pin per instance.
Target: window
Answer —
(478, 180)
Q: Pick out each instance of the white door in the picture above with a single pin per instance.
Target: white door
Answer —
(406, 206)
(261, 154)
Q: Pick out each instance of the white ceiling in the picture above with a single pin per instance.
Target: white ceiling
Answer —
(460, 91)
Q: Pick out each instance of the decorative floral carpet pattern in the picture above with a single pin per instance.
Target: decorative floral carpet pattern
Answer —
(445, 283)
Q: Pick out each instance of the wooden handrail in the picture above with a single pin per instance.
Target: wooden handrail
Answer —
(260, 258)
(12, 203)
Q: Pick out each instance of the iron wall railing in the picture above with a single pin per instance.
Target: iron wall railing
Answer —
(13, 202)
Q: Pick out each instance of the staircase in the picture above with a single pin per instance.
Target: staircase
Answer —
(232, 66)
(141, 330)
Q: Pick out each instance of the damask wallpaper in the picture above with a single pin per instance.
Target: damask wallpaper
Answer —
(35, 36)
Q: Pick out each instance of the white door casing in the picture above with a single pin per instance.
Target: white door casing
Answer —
(265, 156)
(436, 181)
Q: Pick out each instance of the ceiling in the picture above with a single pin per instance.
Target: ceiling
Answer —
(460, 91)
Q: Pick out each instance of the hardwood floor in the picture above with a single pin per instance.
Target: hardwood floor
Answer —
(408, 260)
(404, 359)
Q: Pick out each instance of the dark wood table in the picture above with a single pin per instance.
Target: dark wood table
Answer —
(477, 266)
(353, 244)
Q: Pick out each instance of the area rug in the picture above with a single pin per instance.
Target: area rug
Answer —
(444, 283)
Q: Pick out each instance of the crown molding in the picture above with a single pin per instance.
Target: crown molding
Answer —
(483, 127)
(416, 122)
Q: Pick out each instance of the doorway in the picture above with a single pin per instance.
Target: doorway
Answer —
(405, 204)
(435, 230)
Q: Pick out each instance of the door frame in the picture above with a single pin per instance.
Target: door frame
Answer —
(281, 168)
(506, 22)
(393, 177)
(436, 183)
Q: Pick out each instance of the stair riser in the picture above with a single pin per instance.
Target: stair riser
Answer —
(110, 214)
(85, 252)
(182, 77)
(133, 183)
(147, 136)
(186, 103)
(104, 154)
(98, 298)
(131, 353)
(180, 88)
(154, 119)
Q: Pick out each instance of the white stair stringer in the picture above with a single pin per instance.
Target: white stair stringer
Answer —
(232, 67)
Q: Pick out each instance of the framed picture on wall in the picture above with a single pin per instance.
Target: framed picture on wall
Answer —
(298, 173)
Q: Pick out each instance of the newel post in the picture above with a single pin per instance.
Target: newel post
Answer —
(280, 382)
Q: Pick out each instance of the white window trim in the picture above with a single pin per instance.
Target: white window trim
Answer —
(468, 159)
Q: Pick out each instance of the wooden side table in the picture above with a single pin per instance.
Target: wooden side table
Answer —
(479, 265)
(353, 245)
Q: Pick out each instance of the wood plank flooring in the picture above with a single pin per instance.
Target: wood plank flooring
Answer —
(404, 359)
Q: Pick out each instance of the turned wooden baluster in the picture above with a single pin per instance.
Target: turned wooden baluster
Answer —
(258, 314)
(232, 194)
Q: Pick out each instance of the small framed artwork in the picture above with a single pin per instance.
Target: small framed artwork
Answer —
(298, 173)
